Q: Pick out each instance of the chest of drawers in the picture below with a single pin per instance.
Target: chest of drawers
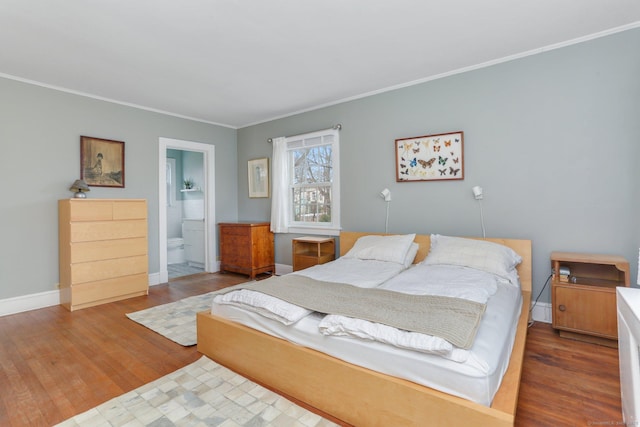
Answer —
(246, 248)
(102, 251)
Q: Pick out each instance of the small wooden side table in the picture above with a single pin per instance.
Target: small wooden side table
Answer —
(583, 295)
(312, 250)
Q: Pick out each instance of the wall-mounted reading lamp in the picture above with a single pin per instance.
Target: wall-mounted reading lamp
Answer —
(477, 194)
(386, 195)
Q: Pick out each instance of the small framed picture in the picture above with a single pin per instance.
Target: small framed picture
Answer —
(430, 158)
(102, 162)
(258, 177)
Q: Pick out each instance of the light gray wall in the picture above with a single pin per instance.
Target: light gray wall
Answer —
(40, 133)
(552, 138)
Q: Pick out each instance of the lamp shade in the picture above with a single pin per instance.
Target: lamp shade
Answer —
(477, 192)
(79, 187)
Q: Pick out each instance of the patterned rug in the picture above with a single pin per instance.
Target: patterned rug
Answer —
(176, 320)
(201, 394)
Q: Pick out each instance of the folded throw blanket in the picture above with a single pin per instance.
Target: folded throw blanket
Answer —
(454, 319)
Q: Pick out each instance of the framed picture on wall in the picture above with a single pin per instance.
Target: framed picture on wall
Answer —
(258, 177)
(436, 157)
(102, 162)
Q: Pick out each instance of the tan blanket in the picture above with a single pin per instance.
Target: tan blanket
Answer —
(454, 319)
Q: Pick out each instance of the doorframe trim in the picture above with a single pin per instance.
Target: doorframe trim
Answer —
(208, 151)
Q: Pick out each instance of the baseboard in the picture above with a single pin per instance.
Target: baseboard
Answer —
(154, 279)
(29, 302)
(44, 299)
(542, 312)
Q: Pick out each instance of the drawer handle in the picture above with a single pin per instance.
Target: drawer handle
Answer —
(561, 307)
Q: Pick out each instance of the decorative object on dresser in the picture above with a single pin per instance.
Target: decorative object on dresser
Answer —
(79, 187)
(102, 251)
(629, 343)
(430, 158)
(312, 250)
(583, 295)
(102, 162)
(246, 248)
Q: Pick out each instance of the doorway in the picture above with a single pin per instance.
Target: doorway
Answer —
(202, 200)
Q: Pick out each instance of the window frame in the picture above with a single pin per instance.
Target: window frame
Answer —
(332, 228)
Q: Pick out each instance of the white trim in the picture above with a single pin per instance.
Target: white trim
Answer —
(328, 231)
(454, 72)
(343, 100)
(29, 302)
(114, 101)
(302, 141)
(542, 312)
(208, 152)
(154, 279)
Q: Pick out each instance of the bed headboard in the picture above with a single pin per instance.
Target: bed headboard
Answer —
(520, 246)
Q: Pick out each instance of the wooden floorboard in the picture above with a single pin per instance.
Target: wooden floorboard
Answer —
(55, 364)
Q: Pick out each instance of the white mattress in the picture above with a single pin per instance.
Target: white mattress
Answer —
(477, 379)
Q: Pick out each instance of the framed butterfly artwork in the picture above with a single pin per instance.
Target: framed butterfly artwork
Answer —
(437, 157)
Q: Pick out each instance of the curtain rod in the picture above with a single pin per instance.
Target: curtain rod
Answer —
(336, 127)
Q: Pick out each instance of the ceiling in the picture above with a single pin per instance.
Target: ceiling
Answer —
(242, 62)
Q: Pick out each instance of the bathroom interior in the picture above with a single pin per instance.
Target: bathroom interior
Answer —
(185, 213)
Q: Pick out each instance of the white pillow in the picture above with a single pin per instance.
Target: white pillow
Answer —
(382, 248)
(411, 254)
(479, 254)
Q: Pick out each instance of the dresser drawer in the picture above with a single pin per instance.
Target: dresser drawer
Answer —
(101, 291)
(107, 249)
(91, 210)
(129, 209)
(234, 231)
(107, 230)
(110, 268)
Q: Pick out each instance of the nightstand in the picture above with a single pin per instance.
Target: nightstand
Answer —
(583, 295)
(312, 250)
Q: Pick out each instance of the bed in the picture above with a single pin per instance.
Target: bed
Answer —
(358, 395)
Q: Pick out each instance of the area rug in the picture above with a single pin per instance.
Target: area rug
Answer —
(175, 320)
(200, 394)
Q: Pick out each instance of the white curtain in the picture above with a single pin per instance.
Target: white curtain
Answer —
(280, 187)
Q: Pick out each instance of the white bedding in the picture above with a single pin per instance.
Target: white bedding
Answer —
(357, 272)
(354, 271)
(446, 280)
(473, 374)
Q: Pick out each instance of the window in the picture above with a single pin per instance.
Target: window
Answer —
(312, 183)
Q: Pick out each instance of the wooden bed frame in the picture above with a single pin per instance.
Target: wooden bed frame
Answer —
(357, 395)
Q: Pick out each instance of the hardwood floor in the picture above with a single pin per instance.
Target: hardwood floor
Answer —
(55, 364)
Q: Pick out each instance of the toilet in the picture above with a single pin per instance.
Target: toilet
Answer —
(175, 250)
